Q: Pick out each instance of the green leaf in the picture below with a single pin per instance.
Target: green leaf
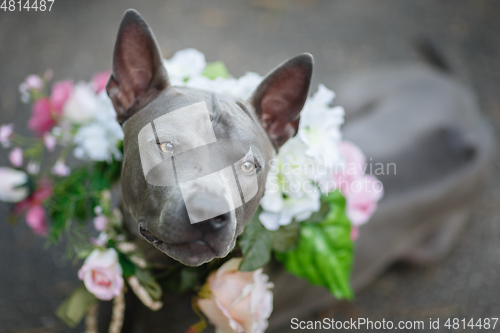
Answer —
(286, 237)
(76, 306)
(256, 243)
(185, 278)
(149, 283)
(128, 267)
(325, 251)
(74, 197)
(216, 69)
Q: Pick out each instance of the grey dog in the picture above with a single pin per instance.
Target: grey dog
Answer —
(195, 165)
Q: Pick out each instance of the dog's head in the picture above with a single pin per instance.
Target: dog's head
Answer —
(195, 163)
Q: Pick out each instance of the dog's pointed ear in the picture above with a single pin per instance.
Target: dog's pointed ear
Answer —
(280, 97)
(138, 74)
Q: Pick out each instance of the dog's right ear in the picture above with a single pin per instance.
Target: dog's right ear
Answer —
(138, 74)
(280, 97)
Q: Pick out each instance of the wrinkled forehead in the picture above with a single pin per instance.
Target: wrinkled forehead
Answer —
(192, 110)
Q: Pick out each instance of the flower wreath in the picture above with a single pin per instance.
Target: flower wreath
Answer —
(317, 194)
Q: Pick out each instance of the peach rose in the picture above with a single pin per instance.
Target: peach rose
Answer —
(238, 301)
(102, 274)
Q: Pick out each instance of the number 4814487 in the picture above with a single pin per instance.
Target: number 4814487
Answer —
(27, 5)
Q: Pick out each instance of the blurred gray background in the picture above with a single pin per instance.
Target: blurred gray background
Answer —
(76, 39)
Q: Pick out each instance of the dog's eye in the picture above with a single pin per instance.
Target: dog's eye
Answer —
(167, 147)
(248, 167)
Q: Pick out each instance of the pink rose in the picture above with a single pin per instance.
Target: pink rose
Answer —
(362, 197)
(60, 94)
(354, 165)
(6, 132)
(43, 116)
(100, 80)
(238, 301)
(102, 274)
(16, 157)
(35, 218)
(362, 192)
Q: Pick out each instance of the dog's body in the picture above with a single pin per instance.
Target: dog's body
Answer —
(419, 119)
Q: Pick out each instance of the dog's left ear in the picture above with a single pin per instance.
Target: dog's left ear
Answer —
(138, 73)
(280, 97)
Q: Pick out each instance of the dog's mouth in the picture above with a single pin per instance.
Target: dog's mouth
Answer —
(192, 253)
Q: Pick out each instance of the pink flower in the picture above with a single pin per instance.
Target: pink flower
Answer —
(362, 197)
(60, 94)
(100, 80)
(102, 274)
(49, 141)
(354, 165)
(47, 111)
(36, 199)
(43, 117)
(237, 301)
(32, 84)
(354, 232)
(362, 192)
(100, 223)
(16, 157)
(35, 218)
(60, 169)
(6, 132)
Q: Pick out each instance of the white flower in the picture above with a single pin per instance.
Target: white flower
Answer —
(82, 106)
(305, 164)
(246, 85)
(12, 183)
(98, 139)
(241, 88)
(185, 64)
(33, 168)
(279, 211)
(290, 192)
(320, 127)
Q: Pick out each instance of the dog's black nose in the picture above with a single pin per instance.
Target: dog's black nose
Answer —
(214, 223)
(207, 206)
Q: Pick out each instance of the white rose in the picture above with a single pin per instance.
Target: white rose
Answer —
(184, 64)
(82, 106)
(11, 185)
